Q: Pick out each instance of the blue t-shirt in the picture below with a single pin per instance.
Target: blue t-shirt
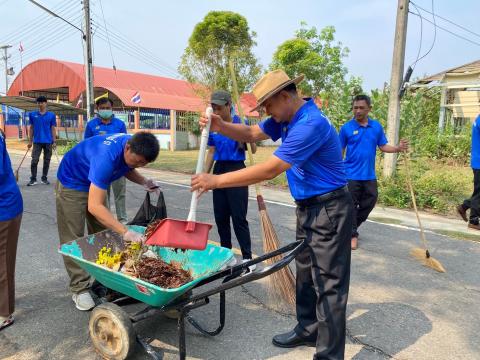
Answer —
(227, 149)
(98, 160)
(97, 127)
(42, 126)
(11, 203)
(361, 144)
(310, 144)
(475, 158)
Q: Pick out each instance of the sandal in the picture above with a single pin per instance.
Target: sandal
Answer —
(7, 322)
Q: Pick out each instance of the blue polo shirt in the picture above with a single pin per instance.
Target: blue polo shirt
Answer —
(227, 149)
(98, 160)
(475, 158)
(361, 144)
(42, 126)
(11, 203)
(97, 127)
(310, 144)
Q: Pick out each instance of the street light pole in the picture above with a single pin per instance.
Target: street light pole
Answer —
(88, 59)
(5, 59)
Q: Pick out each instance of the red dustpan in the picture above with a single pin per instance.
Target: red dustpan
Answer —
(186, 234)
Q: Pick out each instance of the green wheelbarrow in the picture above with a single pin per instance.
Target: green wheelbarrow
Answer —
(111, 328)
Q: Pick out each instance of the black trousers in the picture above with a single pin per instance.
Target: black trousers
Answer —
(474, 202)
(364, 195)
(232, 203)
(47, 154)
(323, 272)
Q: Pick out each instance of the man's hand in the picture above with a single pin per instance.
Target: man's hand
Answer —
(29, 145)
(54, 145)
(151, 186)
(204, 182)
(216, 122)
(403, 145)
(133, 237)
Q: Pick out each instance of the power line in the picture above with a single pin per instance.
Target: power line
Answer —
(108, 37)
(447, 20)
(421, 39)
(40, 22)
(123, 38)
(448, 31)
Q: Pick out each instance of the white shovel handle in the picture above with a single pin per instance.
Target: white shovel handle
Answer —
(192, 215)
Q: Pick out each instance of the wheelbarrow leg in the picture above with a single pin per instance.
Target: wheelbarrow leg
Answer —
(149, 350)
(217, 331)
(182, 348)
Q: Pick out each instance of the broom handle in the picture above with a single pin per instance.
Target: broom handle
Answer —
(412, 193)
(236, 97)
(192, 215)
(21, 162)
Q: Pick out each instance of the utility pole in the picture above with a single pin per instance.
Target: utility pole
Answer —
(87, 37)
(5, 59)
(393, 121)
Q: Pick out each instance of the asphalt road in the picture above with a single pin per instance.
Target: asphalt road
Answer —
(397, 308)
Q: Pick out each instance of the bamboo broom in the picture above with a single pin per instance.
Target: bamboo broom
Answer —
(422, 254)
(282, 282)
(17, 175)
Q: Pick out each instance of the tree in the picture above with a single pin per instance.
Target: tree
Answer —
(316, 55)
(220, 36)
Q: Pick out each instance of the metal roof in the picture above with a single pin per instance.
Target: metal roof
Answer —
(30, 104)
(466, 69)
(155, 91)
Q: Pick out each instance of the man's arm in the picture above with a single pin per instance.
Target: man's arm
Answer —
(96, 207)
(402, 146)
(88, 132)
(250, 175)
(209, 161)
(239, 132)
(136, 177)
(30, 132)
(54, 134)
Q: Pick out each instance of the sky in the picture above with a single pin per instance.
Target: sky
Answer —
(162, 28)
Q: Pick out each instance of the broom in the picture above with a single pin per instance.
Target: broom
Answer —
(19, 166)
(420, 253)
(282, 282)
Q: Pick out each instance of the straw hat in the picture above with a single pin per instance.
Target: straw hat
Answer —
(270, 84)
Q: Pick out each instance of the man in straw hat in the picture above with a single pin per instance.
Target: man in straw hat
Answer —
(311, 155)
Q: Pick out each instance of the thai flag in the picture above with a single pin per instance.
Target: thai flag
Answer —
(80, 101)
(136, 98)
(20, 48)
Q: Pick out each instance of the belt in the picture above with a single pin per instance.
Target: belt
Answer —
(319, 199)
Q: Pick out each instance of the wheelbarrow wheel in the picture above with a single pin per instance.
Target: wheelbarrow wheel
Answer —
(112, 332)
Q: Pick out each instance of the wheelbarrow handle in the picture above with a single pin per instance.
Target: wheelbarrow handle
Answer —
(293, 250)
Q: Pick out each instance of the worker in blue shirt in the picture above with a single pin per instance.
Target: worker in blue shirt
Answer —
(84, 175)
(311, 155)
(360, 138)
(42, 136)
(474, 202)
(11, 205)
(229, 155)
(107, 123)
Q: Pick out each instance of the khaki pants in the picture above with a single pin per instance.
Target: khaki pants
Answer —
(8, 252)
(72, 212)
(118, 187)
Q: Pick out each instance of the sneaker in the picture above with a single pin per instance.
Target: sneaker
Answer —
(6, 321)
(83, 301)
(32, 183)
(45, 182)
(462, 212)
(251, 268)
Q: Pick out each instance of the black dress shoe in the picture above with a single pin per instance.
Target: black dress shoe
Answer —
(290, 340)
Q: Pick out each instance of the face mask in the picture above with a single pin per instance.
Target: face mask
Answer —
(105, 114)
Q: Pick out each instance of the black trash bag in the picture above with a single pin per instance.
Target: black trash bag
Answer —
(149, 212)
